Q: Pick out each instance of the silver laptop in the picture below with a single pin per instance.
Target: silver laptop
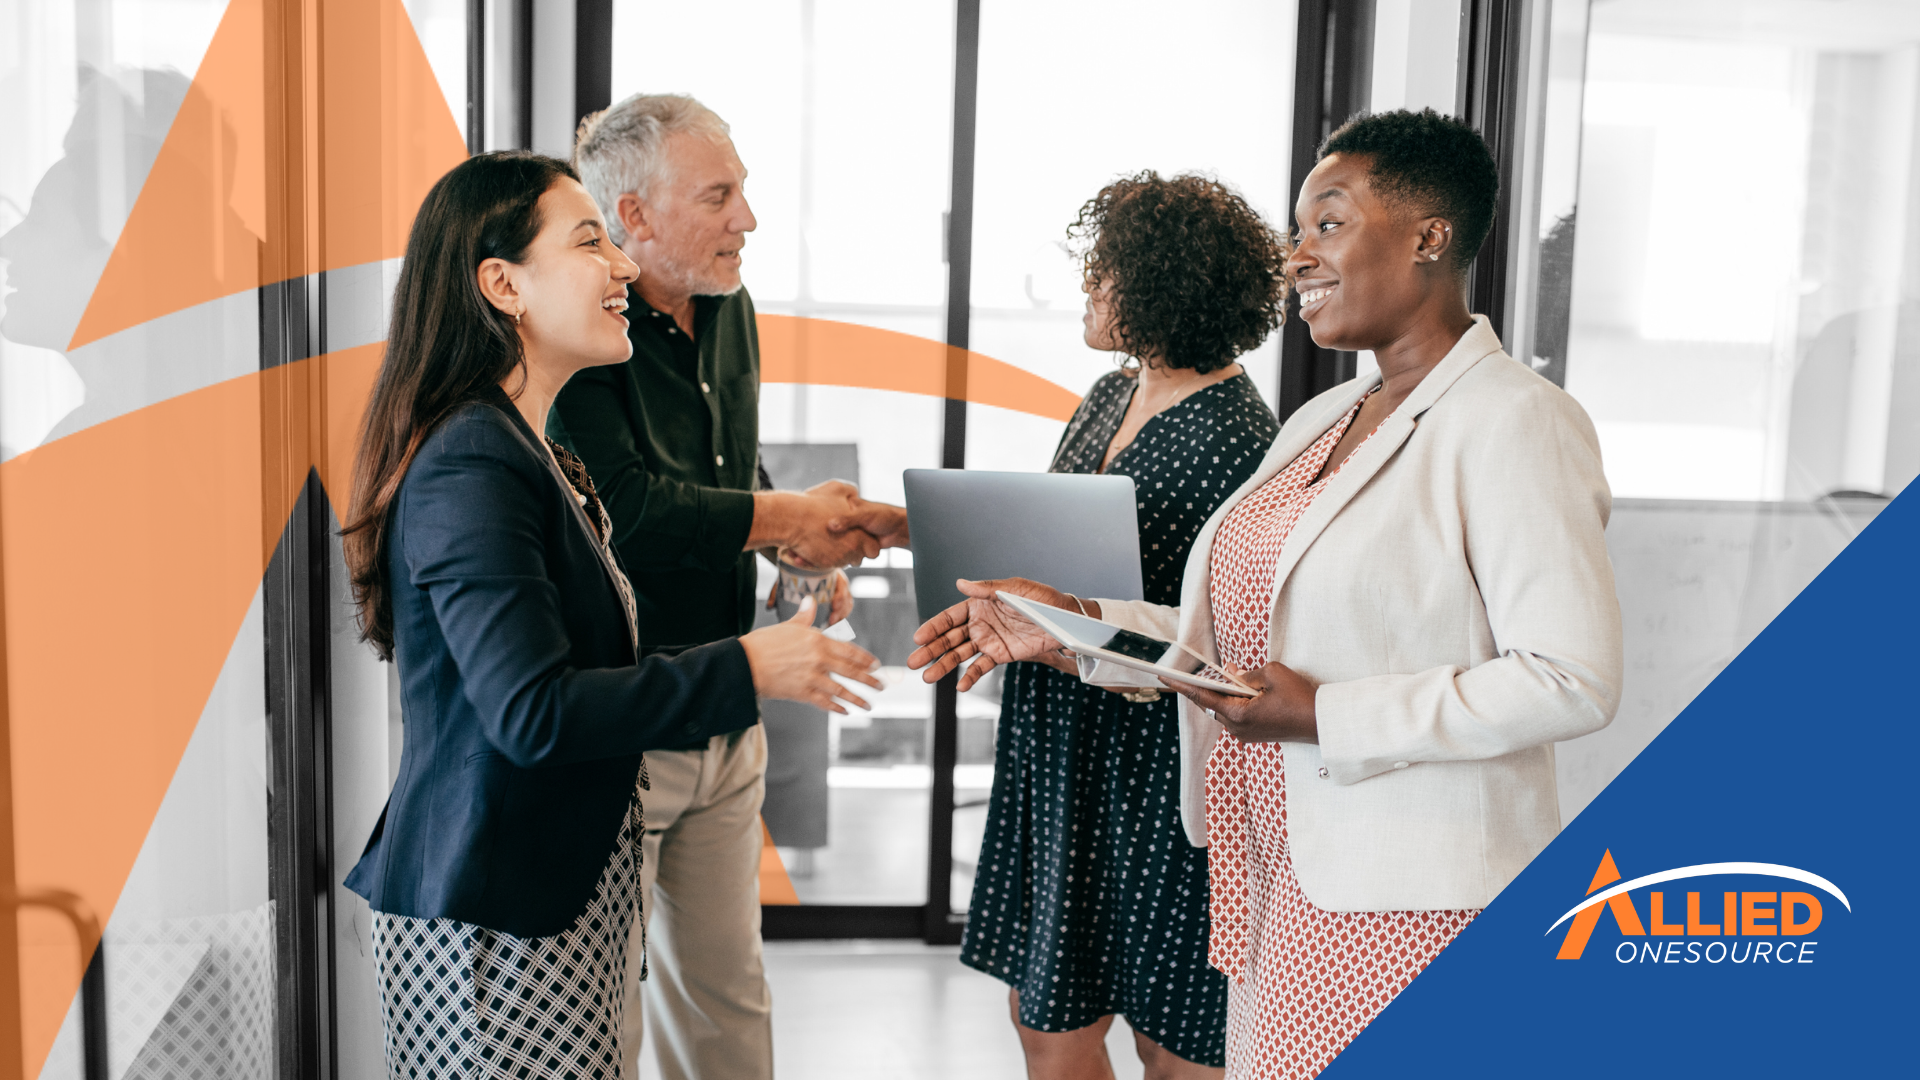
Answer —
(1076, 532)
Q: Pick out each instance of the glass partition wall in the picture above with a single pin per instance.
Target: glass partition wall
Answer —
(1727, 261)
(202, 204)
(841, 111)
(169, 856)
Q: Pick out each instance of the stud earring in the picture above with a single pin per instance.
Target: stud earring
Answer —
(1433, 257)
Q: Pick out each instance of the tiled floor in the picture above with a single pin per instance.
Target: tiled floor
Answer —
(864, 1010)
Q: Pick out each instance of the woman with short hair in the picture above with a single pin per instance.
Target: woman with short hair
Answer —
(1088, 899)
(502, 873)
(1415, 579)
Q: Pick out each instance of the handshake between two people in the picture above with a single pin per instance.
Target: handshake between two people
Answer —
(827, 526)
(983, 632)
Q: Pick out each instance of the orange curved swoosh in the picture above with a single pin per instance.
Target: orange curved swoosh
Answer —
(821, 352)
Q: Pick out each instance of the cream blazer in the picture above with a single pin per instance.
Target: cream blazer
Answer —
(1449, 591)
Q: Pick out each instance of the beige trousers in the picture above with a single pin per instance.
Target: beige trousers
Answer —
(706, 995)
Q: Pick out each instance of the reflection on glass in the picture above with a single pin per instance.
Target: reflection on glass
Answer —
(92, 91)
(190, 948)
(65, 219)
(1554, 121)
(841, 111)
(1744, 230)
(1741, 324)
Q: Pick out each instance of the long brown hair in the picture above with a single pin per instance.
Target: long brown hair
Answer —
(446, 345)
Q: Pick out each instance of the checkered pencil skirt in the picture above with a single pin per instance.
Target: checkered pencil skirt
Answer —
(461, 1002)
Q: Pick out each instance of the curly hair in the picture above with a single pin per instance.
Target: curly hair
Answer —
(1197, 277)
(1434, 165)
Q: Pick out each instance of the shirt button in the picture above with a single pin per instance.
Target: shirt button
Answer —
(705, 389)
(719, 459)
(1399, 764)
(1323, 772)
(669, 329)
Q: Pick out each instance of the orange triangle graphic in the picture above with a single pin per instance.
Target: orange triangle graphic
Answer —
(200, 486)
(248, 190)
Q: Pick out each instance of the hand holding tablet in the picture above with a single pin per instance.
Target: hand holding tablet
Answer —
(995, 624)
(1101, 640)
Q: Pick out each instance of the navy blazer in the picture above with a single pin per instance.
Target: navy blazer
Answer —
(525, 709)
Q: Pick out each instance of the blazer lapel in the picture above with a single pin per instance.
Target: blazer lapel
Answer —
(1196, 618)
(1475, 345)
(538, 449)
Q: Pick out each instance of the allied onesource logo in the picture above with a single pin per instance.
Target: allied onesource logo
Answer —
(1702, 925)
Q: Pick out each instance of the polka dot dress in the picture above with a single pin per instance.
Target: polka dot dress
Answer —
(1089, 900)
(1304, 981)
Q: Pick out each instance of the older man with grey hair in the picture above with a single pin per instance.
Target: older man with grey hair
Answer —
(671, 439)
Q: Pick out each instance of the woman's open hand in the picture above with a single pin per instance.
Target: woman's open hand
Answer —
(1282, 713)
(985, 630)
(794, 661)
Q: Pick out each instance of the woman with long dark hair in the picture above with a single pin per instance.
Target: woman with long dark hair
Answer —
(502, 873)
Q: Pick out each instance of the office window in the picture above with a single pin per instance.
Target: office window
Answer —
(841, 111)
(1727, 252)
(1074, 94)
(1741, 319)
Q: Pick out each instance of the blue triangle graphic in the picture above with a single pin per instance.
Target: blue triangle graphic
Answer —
(1803, 752)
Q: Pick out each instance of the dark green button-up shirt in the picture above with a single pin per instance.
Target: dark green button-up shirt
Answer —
(671, 439)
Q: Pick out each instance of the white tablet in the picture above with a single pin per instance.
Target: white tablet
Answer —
(1105, 641)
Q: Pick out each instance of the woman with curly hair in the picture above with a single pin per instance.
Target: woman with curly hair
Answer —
(1415, 581)
(1089, 899)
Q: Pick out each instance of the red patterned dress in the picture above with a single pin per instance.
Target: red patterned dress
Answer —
(1302, 982)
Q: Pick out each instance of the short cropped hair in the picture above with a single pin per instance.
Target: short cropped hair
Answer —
(623, 148)
(1198, 277)
(1431, 164)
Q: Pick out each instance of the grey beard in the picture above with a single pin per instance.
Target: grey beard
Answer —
(697, 284)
